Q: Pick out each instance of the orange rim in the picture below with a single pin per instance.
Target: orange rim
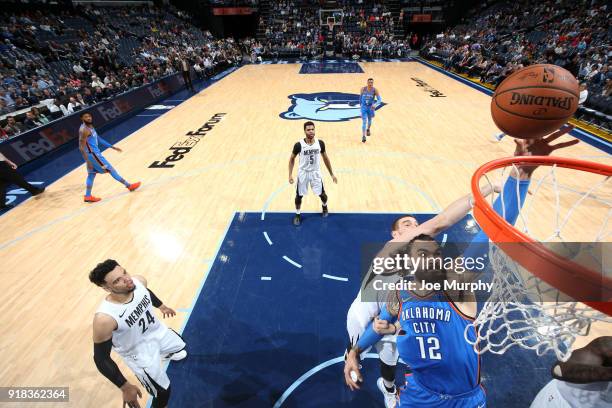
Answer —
(569, 277)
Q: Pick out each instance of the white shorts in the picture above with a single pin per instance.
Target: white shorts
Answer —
(360, 314)
(146, 363)
(561, 394)
(312, 178)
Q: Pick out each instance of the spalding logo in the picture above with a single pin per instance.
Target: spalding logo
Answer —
(324, 107)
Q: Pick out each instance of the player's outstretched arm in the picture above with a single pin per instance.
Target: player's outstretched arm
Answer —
(592, 363)
(106, 144)
(103, 327)
(166, 311)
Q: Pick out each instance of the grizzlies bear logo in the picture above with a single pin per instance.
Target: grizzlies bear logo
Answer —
(324, 107)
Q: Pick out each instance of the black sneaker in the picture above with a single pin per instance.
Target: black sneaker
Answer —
(368, 132)
(38, 191)
(297, 219)
(325, 212)
(363, 139)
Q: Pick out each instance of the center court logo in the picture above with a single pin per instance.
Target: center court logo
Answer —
(324, 107)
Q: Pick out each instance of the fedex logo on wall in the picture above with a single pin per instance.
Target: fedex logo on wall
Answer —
(114, 110)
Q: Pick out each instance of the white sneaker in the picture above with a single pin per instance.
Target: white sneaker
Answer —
(179, 355)
(390, 397)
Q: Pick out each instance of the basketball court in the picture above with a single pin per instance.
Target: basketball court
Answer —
(261, 304)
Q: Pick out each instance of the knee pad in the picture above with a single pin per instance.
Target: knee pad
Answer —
(163, 396)
(387, 371)
(298, 200)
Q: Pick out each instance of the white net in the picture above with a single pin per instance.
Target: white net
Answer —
(524, 311)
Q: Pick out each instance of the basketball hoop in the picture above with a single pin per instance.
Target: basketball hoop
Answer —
(543, 298)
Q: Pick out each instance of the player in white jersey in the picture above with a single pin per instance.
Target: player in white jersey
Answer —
(366, 306)
(126, 323)
(310, 152)
(584, 381)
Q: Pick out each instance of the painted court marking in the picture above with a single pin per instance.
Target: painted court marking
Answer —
(338, 278)
(265, 234)
(312, 372)
(291, 261)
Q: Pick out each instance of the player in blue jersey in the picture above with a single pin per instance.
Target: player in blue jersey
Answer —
(430, 324)
(368, 99)
(89, 142)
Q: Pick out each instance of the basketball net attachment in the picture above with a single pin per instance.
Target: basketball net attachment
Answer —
(550, 280)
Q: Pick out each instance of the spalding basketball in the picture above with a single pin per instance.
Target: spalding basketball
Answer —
(535, 101)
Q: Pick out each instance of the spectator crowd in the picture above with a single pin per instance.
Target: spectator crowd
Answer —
(574, 34)
(53, 64)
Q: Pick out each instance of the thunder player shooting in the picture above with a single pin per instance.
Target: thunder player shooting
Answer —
(310, 150)
(445, 367)
(126, 323)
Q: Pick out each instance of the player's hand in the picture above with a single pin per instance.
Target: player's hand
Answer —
(89, 167)
(166, 311)
(351, 365)
(105, 169)
(335, 179)
(131, 393)
(383, 327)
(588, 364)
(12, 165)
(290, 180)
(542, 146)
(117, 149)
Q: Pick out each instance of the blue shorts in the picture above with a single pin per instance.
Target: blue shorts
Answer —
(413, 395)
(97, 160)
(367, 112)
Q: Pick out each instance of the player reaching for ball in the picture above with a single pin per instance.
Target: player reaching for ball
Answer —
(430, 325)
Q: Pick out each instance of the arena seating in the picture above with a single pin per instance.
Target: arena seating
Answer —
(47, 58)
(509, 35)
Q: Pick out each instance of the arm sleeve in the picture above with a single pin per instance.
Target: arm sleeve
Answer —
(297, 148)
(322, 144)
(104, 142)
(378, 97)
(509, 208)
(370, 337)
(105, 363)
(154, 299)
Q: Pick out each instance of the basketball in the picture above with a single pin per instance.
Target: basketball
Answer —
(535, 101)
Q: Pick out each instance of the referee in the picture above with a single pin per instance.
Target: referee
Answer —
(8, 175)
